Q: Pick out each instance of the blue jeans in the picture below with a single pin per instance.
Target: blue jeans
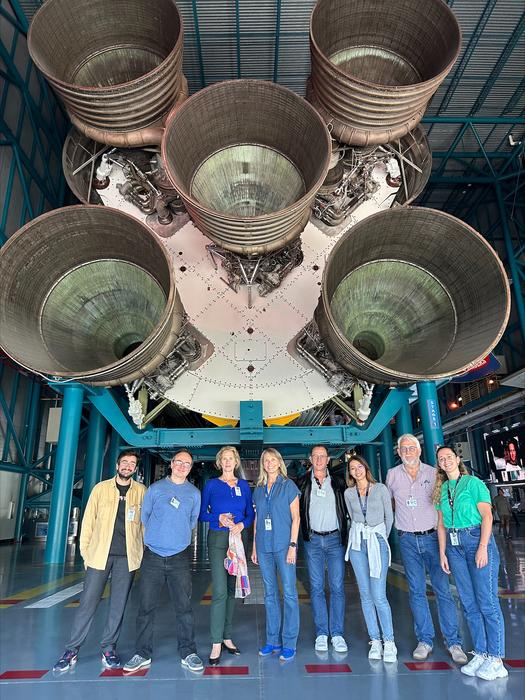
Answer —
(420, 554)
(327, 552)
(372, 591)
(478, 591)
(271, 563)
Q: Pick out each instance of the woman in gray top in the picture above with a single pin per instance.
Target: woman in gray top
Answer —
(370, 510)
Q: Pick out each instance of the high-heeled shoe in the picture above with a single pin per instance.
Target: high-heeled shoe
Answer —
(231, 650)
(214, 661)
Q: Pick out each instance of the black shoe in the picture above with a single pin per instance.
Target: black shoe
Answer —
(231, 650)
(215, 661)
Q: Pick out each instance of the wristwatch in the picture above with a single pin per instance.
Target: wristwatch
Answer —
(293, 544)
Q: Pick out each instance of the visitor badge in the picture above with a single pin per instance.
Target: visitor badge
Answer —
(267, 523)
(321, 493)
(454, 539)
(175, 502)
(238, 491)
(131, 514)
(412, 502)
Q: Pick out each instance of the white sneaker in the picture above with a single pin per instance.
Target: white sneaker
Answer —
(376, 650)
(321, 643)
(422, 651)
(339, 644)
(491, 669)
(475, 662)
(390, 652)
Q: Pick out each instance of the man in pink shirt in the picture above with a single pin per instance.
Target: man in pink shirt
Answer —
(410, 485)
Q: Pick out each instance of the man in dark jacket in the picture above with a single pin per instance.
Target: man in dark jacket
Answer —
(324, 528)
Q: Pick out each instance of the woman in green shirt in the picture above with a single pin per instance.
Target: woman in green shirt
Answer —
(468, 550)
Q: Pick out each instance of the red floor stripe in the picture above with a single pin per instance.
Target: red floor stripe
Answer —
(11, 601)
(515, 663)
(226, 671)
(119, 673)
(328, 668)
(12, 675)
(428, 666)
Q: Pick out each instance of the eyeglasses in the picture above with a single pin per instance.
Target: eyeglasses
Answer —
(125, 463)
(180, 463)
(449, 458)
(411, 448)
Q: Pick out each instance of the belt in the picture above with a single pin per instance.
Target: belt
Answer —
(323, 534)
(419, 532)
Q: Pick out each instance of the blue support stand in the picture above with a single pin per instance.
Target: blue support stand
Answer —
(386, 451)
(62, 491)
(430, 420)
(404, 420)
(29, 449)
(370, 454)
(96, 439)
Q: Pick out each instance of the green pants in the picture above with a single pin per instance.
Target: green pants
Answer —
(223, 585)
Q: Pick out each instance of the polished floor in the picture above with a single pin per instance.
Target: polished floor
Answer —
(37, 604)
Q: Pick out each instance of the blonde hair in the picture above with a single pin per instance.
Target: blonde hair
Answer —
(351, 482)
(441, 475)
(236, 456)
(263, 476)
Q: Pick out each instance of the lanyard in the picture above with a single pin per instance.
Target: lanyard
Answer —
(365, 506)
(269, 495)
(452, 497)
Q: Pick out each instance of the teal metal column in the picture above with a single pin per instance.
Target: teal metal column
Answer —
(96, 441)
(62, 490)
(430, 420)
(386, 451)
(370, 454)
(113, 450)
(29, 450)
(404, 420)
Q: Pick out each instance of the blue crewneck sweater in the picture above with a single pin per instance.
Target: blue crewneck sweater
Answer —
(168, 526)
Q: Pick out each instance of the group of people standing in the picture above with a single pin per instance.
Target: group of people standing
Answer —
(442, 516)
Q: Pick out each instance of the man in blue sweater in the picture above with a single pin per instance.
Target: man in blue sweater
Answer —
(169, 513)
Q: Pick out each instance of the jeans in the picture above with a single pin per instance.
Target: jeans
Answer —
(372, 591)
(94, 583)
(478, 591)
(420, 554)
(271, 563)
(223, 586)
(176, 572)
(327, 553)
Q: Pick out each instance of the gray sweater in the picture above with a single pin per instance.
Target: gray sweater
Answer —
(379, 506)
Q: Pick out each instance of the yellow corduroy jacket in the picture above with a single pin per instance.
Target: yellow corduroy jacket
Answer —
(99, 521)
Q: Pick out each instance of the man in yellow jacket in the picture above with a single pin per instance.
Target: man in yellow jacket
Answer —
(111, 542)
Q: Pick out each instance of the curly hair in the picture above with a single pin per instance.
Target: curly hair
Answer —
(441, 475)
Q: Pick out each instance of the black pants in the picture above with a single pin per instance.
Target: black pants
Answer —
(94, 584)
(176, 573)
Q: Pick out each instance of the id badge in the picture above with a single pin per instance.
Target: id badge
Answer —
(411, 502)
(238, 491)
(175, 502)
(267, 523)
(321, 493)
(131, 514)
(454, 539)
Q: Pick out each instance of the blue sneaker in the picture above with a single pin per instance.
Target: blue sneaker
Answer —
(269, 649)
(110, 659)
(66, 661)
(287, 654)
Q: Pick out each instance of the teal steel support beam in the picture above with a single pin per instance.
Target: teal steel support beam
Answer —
(62, 492)
(251, 421)
(386, 451)
(29, 450)
(370, 455)
(96, 439)
(112, 455)
(430, 419)
(512, 261)
(404, 420)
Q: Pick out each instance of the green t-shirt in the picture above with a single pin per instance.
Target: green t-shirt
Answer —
(470, 492)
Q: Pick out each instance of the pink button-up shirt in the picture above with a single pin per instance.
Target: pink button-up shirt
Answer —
(419, 517)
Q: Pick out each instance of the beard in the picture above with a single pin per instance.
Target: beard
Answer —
(124, 477)
(411, 462)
